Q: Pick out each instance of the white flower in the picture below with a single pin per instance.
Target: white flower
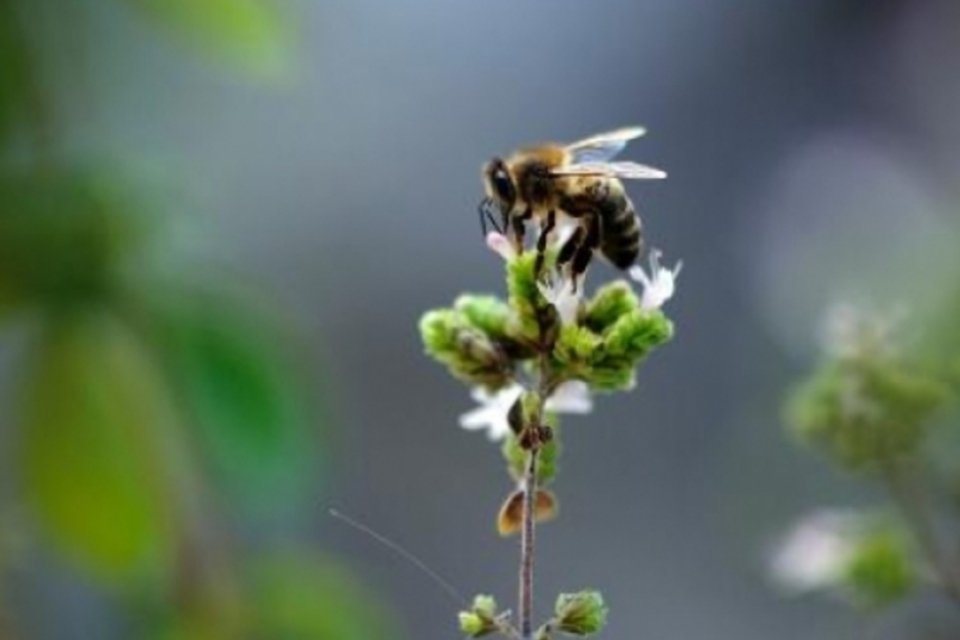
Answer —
(569, 397)
(559, 292)
(501, 245)
(852, 331)
(659, 286)
(572, 396)
(817, 552)
(492, 412)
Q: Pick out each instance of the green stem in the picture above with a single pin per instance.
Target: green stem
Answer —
(911, 500)
(545, 386)
(528, 546)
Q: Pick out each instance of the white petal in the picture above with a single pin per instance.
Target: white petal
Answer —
(660, 285)
(637, 274)
(488, 418)
(492, 414)
(815, 554)
(559, 292)
(571, 397)
(481, 396)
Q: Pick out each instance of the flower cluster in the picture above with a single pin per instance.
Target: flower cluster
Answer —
(869, 401)
(544, 351)
(592, 343)
(870, 407)
(864, 558)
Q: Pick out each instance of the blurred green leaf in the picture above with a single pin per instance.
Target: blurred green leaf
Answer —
(241, 392)
(250, 33)
(63, 236)
(93, 447)
(881, 570)
(15, 69)
(300, 596)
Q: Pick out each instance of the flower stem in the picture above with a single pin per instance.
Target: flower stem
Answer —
(528, 546)
(545, 387)
(910, 499)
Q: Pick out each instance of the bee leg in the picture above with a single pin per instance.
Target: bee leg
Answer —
(545, 231)
(586, 249)
(518, 224)
(570, 247)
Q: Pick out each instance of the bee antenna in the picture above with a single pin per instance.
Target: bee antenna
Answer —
(481, 209)
(486, 216)
(403, 553)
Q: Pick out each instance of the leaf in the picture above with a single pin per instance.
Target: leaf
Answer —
(16, 70)
(297, 595)
(241, 392)
(249, 33)
(93, 463)
(66, 235)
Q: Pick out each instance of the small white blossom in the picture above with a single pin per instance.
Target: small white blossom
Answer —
(501, 245)
(853, 402)
(492, 412)
(559, 291)
(816, 553)
(569, 397)
(572, 396)
(852, 331)
(658, 287)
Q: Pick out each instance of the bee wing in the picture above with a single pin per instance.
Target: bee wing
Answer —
(604, 146)
(622, 170)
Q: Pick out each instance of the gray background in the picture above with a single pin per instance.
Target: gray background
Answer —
(349, 190)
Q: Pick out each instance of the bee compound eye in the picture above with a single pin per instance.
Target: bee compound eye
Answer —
(501, 182)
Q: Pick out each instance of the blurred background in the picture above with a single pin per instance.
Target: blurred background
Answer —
(221, 219)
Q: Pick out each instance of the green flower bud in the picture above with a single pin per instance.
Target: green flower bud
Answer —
(609, 303)
(635, 334)
(880, 569)
(864, 411)
(543, 633)
(575, 348)
(466, 351)
(623, 346)
(612, 376)
(524, 297)
(481, 620)
(487, 314)
(472, 624)
(581, 614)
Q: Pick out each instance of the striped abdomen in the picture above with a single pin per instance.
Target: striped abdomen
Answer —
(620, 239)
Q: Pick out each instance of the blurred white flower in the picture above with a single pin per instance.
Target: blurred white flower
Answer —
(501, 245)
(559, 291)
(659, 285)
(570, 397)
(815, 554)
(851, 331)
(853, 402)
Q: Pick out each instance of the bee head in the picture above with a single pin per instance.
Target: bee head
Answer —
(500, 186)
(501, 194)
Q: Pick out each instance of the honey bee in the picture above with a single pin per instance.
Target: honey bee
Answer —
(579, 181)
